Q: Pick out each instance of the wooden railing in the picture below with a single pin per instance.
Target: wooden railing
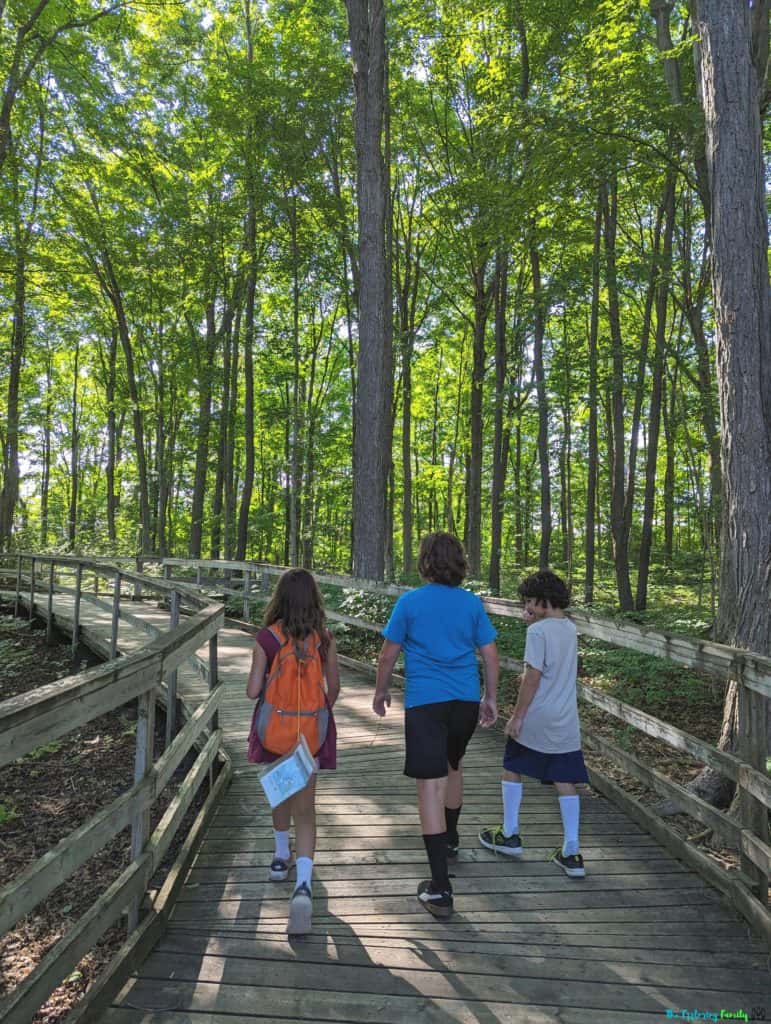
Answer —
(747, 888)
(36, 718)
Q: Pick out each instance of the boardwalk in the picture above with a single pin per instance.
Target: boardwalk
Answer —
(639, 936)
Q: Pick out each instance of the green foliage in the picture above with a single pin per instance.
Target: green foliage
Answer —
(8, 813)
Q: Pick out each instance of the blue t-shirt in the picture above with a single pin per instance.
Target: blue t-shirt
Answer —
(439, 628)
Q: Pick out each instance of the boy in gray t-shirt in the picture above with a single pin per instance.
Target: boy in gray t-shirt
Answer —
(543, 733)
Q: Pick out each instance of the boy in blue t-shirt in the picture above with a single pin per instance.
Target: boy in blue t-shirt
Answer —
(439, 626)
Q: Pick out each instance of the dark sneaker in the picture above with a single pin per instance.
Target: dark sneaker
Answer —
(280, 868)
(436, 901)
(452, 849)
(572, 865)
(300, 911)
(494, 839)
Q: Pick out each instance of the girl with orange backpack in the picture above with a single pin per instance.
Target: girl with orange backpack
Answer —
(296, 680)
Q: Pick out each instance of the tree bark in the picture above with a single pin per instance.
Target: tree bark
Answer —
(616, 438)
(539, 330)
(731, 87)
(654, 416)
(366, 20)
(590, 525)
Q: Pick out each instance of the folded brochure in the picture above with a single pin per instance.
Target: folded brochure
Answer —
(287, 776)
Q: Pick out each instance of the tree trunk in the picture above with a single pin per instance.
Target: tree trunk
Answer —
(616, 436)
(372, 413)
(500, 432)
(251, 288)
(654, 416)
(205, 370)
(590, 526)
(72, 514)
(731, 69)
(539, 331)
(10, 491)
(731, 92)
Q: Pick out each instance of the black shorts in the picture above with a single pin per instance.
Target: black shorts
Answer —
(437, 734)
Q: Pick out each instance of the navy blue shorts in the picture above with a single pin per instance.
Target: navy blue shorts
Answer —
(548, 768)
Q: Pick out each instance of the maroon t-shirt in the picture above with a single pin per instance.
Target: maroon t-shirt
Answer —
(257, 754)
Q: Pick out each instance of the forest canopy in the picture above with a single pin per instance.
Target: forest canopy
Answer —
(180, 285)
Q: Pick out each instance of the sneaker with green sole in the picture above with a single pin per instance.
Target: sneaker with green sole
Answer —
(494, 839)
(572, 864)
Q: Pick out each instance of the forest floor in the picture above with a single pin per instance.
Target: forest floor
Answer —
(50, 792)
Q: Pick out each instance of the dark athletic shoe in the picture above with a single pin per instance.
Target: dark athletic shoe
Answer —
(300, 911)
(494, 839)
(280, 868)
(572, 865)
(436, 901)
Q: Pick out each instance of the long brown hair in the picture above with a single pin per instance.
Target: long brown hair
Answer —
(298, 605)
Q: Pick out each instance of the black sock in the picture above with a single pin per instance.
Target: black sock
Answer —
(451, 815)
(436, 848)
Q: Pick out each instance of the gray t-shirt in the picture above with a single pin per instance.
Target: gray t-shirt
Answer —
(551, 721)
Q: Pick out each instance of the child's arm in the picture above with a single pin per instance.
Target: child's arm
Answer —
(531, 680)
(332, 672)
(488, 709)
(256, 673)
(389, 652)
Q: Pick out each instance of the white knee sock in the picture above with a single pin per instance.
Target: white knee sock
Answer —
(304, 871)
(570, 810)
(512, 798)
(281, 840)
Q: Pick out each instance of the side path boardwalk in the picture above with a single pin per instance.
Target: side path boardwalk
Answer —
(638, 937)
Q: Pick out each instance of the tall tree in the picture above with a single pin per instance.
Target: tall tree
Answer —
(733, 71)
(367, 27)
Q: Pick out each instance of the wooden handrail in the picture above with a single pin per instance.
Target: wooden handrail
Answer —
(30, 720)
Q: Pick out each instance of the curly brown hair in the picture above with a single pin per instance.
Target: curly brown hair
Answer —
(298, 605)
(442, 559)
(547, 588)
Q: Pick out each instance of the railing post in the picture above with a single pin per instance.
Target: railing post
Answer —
(167, 572)
(265, 583)
(247, 592)
(76, 613)
(31, 588)
(198, 575)
(137, 585)
(96, 582)
(17, 599)
(752, 750)
(50, 605)
(115, 616)
(143, 762)
(171, 679)
(213, 683)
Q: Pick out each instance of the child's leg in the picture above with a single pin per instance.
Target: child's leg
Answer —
(432, 794)
(282, 816)
(303, 805)
(570, 812)
(304, 815)
(511, 794)
(453, 802)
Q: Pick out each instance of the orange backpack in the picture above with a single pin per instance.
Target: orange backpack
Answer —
(293, 700)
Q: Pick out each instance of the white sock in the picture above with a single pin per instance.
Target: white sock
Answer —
(304, 871)
(281, 840)
(570, 810)
(512, 797)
